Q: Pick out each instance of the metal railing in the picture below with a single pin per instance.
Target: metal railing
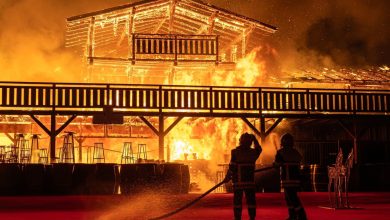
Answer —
(25, 97)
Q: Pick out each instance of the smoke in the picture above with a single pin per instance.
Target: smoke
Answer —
(345, 33)
(332, 33)
(32, 39)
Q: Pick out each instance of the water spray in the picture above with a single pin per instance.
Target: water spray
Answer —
(200, 197)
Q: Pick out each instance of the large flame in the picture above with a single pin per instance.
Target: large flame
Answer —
(212, 139)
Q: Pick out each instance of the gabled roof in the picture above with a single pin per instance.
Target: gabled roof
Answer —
(182, 17)
(193, 5)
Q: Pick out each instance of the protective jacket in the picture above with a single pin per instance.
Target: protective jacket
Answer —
(289, 161)
(242, 166)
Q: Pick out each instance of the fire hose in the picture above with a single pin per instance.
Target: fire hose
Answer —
(200, 197)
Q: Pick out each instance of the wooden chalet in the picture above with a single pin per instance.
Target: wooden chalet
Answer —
(153, 41)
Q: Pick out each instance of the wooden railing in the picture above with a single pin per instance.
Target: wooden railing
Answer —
(27, 98)
(167, 47)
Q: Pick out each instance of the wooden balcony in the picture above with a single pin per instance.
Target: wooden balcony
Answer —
(167, 48)
(23, 98)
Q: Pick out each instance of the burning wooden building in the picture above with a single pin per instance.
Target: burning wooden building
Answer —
(153, 64)
(162, 42)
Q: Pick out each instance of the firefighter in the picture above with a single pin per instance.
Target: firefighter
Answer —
(288, 160)
(241, 171)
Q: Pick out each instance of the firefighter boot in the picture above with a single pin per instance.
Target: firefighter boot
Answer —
(300, 213)
(252, 213)
(291, 214)
(237, 213)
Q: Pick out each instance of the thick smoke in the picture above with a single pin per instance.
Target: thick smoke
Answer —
(332, 33)
(345, 33)
(32, 39)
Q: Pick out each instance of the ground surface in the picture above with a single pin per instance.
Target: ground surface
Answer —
(371, 206)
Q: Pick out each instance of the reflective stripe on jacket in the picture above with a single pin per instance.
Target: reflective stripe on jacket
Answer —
(242, 166)
(289, 161)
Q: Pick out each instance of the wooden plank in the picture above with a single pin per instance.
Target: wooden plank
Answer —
(382, 101)
(248, 101)
(154, 99)
(101, 97)
(172, 98)
(180, 100)
(277, 100)
(148, 98)
(294, 103)
(87, 102)
(272, 100)
(134, 98)
(141, 98)
(81, 97)
(349, 97)
(241, 100)
(18, 96)
(255, 100)
(343, 106)
(313, 105)
(331, 102)
(26, 96)
(360, 106)
(199, 103)
(267, 101)
(49, 98)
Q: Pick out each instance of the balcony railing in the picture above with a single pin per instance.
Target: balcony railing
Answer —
(155, 47)
(27, 98)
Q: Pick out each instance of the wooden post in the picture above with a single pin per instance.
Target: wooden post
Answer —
(262, 130)
(130, 32)
(53, 137)
(91, 40)
(171, 15)
(161, 137)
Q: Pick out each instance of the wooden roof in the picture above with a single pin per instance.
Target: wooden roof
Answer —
(193, 5)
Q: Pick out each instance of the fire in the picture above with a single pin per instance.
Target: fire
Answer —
(181, 150)
(212, 139)
(249, 69)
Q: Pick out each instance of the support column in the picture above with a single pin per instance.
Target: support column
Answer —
(161, 137)
(53, 132)
(52, 138)
(161, 133)
(262, 130)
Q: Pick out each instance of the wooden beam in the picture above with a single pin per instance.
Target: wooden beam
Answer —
(91, 40)
(149, 125)
(41, 125)
(58, 131)
(345, 127)
(10, 137)
(238, 39)
(172, 8)
(155, 31)
(210, 28)
(172, 125)
(251, 126)
(270, 129)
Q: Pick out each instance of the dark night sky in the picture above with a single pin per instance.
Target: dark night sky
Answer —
(352, 33)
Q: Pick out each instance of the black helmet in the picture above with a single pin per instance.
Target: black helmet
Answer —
(246, 140)
(287, 140)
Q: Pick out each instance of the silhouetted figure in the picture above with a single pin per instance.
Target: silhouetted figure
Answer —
(241, 171)
(288, 159)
